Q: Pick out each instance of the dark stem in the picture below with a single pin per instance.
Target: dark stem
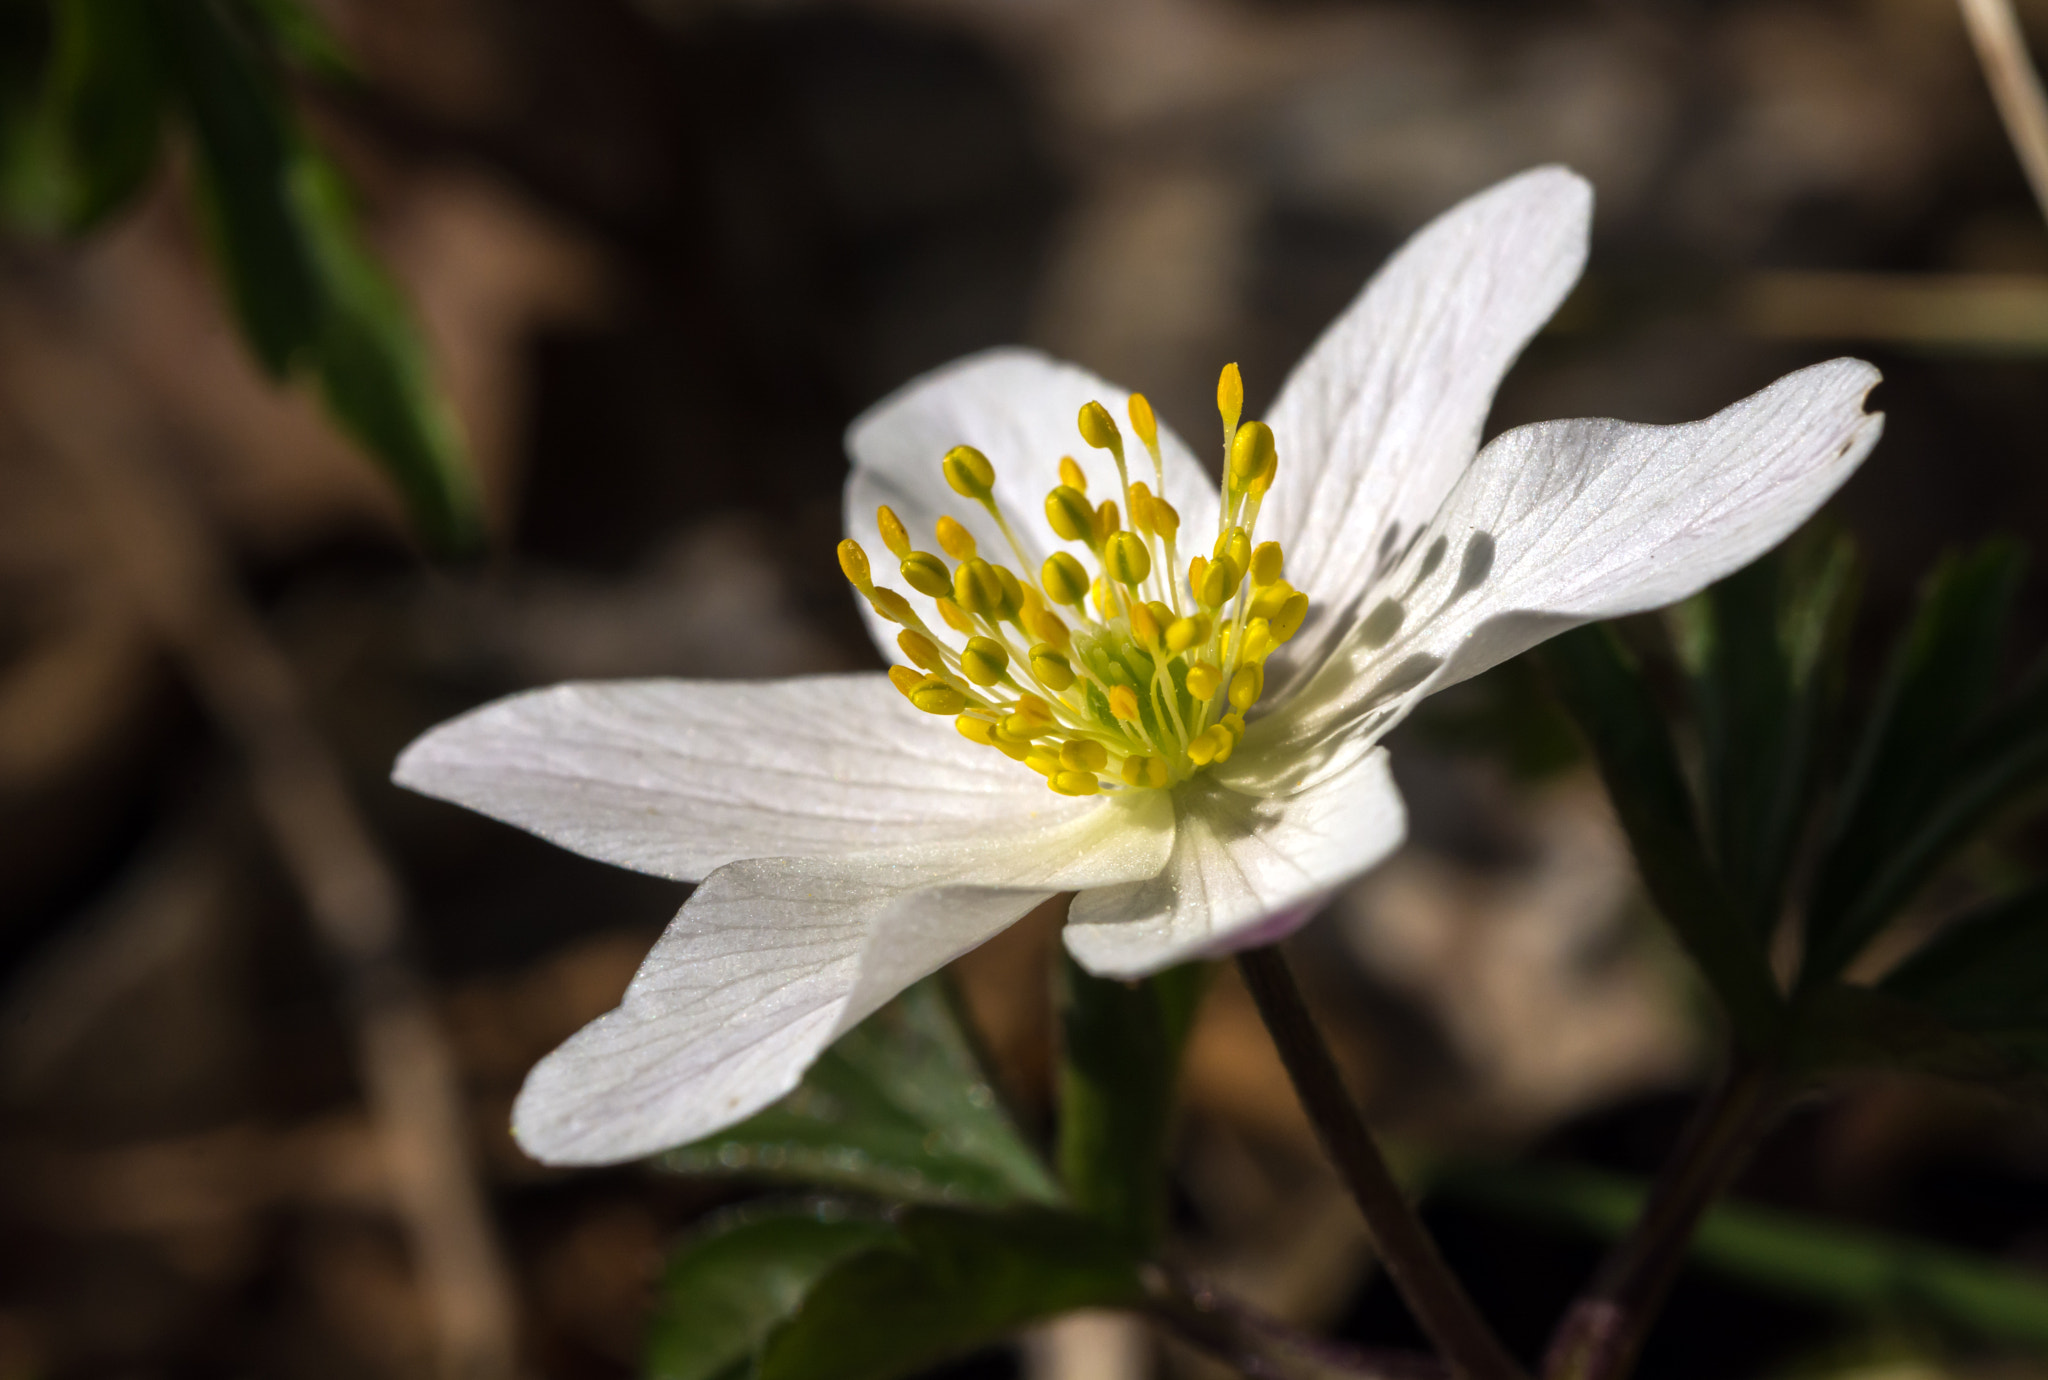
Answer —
(1602, 1334)
(1263, 1347)
(1433, 1294)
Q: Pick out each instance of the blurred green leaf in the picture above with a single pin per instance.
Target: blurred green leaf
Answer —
(244, 141)
(1988, 971)
(84, 128)
(1120, 1062)
(1792, 1254)
(1880, 847)
(1844, 1029)
(1762, 650)
(729, 1285)
(899, 1108)
(955, 1281)
(299, 35)
(1604, 688)
(373, 368)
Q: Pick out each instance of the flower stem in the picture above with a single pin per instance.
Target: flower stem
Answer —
(1603, 1332)
(1433, 1294)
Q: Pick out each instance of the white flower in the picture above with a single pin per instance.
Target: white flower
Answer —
(847, 844)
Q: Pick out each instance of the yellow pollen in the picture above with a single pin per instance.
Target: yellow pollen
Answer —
(1121, 663)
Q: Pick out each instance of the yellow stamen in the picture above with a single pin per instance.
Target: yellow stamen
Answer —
(984, 660)
(1126, 560)
(1230, 399)
(956, 541)
(895, 535)
(969, 472)
(853, 563)
(927, 574)
(935, 696)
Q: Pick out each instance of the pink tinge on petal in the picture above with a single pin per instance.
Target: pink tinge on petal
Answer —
(1270, 930)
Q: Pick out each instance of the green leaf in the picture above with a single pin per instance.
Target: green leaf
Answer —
(373, 368)
(956, 1281)
(1865, 1271)
(899, 1108)
(1988, 971)
(1602, 686)
(731, 1284)
(1879, 848)
(1120, 1060)
(244, 142)
(1762, 647)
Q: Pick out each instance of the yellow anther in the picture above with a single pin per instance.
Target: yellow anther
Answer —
(853, 563)
(1104, 594)
(891, 605)
(935, 696)
(1162, 612)
(921, 649)
(1198, 566)
(1140, 497)
(1009, 744)
(1133, 770)
(956, 541)
(1219, 582)
(1098, 429)
(1106, 519)
(1203, 747)
(1144, 423)
(1287, 622)
(1047, 628)
(1263, 480)
(984, 660)
(1236, 545)
(1126, 560)
(1043, 759)
(1233, 721)
(1076, 783)
(1072, 475)
(1051, 667)
(1084, 754)
(1034, 707)
(1204, 680)
(1268, 602)
(1064, 578)
(1226, 746)
(1230, 398)
(1123, 702)
(1165, 518)
(976, 730)
(1258, 640)
(1251, 450)
(904, 679)
(895, 535)
(1024, 727)
(1144, 627)
(1246, 686)
(927, 574)
(1070, 515)
(969, 472)
(1183, 633)
(955, 616)
(1267, 563)
(1012, 602)
(977, 589)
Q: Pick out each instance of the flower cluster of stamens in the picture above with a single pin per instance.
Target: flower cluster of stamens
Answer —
(1109, 674)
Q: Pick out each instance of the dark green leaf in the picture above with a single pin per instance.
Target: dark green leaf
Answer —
(1120, 1058)
(1758, 649)
(957, 1281)
(296, 33)
(1988, 971)
(900, 1108)
(730, 1285)
(1879, 848)
(374, 372)
(1801, 1256)
(80, 147)
(1604, 689)
(246, 161)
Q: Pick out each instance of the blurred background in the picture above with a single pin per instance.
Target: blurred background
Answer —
(663, 252)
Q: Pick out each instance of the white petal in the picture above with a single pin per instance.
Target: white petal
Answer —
(1256, 846)
(771, 959)
(678, 777)
(1381, 417)
(1019, 408)
(1564, 523)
